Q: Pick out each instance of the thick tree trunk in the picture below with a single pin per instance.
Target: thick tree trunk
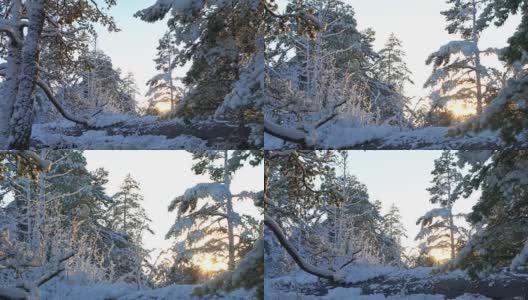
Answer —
(229, 204)
(14, 58)
(21, 118)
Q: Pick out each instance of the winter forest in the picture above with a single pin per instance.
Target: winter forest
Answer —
(263, 149)
(59, 89)
(326, 237)
(68, 231)
(332, 84)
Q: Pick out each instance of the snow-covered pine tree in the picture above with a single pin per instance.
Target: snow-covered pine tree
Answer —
(394, 230)
(162, 88)
(31, 26)
(102, 88)
(128, 215)
(206, 209)
(391, 67)
(498, 12)
(392, 223)
(390, 74)
(506, 112)
(438, 227)
(65, 214)
(225, 42)
(317, 75)
(458, 72)
(357, 227)
(500, 213)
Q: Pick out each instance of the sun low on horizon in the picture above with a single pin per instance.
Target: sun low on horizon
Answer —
(462, 109)
(440, 255)
(210, 263)
(164, 106)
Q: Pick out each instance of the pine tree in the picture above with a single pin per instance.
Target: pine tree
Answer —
(438, 224)
(498, 12)
(199, 219)
(499, 215)
(162, 88)
(506, 112)
(62, 207)
(128, 216)
(103, 88)
(463, 78)
(224, 40)
(391, 67)
(392, 224)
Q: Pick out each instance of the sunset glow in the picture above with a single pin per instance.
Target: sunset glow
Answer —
(163, 106)
(211, 263)
(461, 109)
(440, 255)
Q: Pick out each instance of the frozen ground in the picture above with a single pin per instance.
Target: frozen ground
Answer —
(380, 282)
(393, 138)
(129, 133)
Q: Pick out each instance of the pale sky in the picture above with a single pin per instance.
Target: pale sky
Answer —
(401, 177)
(417, 23)
(164, 175)
(134, 47)
(421, 28)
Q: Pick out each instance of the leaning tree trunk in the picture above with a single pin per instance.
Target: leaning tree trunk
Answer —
(14, 58)
(21, 119)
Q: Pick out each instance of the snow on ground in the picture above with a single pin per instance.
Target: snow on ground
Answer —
(301, 285)
(60, 290)
(126, 135)
(355, 293)
(390, 137)
(94, 139)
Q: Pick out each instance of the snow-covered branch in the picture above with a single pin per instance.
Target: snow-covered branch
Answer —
(58, 106)
(275, 228)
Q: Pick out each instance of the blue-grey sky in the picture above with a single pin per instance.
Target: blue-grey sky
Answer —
(163, 175)
(401, 177)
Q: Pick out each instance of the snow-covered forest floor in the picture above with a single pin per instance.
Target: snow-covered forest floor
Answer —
(329, 239)
(127, 132)
(382, 282)
(122, 291)
(394, 138)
